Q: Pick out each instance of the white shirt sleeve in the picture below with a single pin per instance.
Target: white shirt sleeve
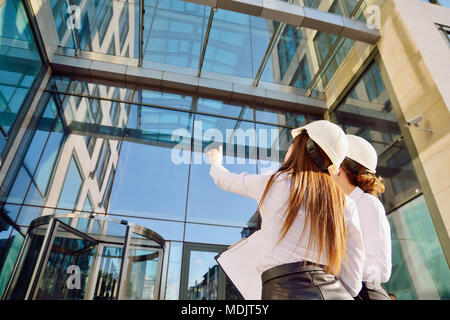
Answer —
(245, 184)
(377, 239)
(352, 267)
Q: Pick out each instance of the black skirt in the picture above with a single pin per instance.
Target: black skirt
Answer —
(372, 291)
(297, 281)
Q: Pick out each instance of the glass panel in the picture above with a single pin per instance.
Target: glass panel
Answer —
(416, 250)
(142, 274)
(240, 156)
(27, 264)
(202, 233)
(28, 214)
(10, 210)
(280, 118)
(225, 109)
(229, 46)
(203, 279)
(169, 230)
(40, 136)
(20, 186)
(167, 99)
(157, 126)
(261, 33)
(71, 188)
(174, 32)
(273, 143)
(399, 176)
(108, 274)
(148, 183)
(341, 7)
(19, 61)
(47, 163)
(174, 271)
(10, 254)
(100, 24)
(367, 112)
(66, 273)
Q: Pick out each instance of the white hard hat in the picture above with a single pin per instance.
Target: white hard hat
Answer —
(330, 138)
(361, 151)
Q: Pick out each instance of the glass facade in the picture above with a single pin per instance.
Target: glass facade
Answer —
(136, 153)
(20, 63)
(176, 33)
(367, 111)
(416, 250)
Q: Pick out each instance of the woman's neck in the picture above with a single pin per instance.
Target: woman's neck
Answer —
(347, 187)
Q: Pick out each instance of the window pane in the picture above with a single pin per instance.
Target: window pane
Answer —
(71, 188)
(20, 186)
(416, 250)
(229, 45)
(212, 234)
(226, 109)
(207, 202)
(367, 112)
(148, 183)
(273, 143)
(174, 271)
(169, 230)
(166, 99)
(47, 163)
(10, 255)
(174, 32)
(19, 61)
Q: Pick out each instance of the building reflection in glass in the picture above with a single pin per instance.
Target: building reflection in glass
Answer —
(367, 112)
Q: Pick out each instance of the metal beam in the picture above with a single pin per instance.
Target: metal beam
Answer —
(279, 29)
(76, 35)
(205, 41)
(141, 32)
(331, 54)
(296, 15)
(218, 85)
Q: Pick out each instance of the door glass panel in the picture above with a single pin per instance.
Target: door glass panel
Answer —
(27, 263)
(66, 273)
(203, 276)
(206, 280)
(142, 274)
(108, 274)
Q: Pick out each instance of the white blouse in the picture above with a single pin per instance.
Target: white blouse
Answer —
(376, 235)
(291, 249)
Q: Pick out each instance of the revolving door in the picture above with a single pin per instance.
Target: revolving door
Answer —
(81, 257)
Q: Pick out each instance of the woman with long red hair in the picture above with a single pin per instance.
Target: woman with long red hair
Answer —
(311, 245)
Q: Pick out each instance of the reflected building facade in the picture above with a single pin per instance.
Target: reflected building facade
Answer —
(118, 130)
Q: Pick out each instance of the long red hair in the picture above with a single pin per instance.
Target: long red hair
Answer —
(322, 200)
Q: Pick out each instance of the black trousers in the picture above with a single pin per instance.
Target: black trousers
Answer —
(372, 291)
(296, 281)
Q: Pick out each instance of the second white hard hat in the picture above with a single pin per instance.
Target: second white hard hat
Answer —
(361, 151)
(330, 138)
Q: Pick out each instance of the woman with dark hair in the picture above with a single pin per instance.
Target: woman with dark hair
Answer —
(357, 179)
(311, 244)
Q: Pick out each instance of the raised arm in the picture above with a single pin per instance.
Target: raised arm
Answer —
(245, 184)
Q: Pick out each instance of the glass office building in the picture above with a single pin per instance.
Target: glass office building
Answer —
(107, 108)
